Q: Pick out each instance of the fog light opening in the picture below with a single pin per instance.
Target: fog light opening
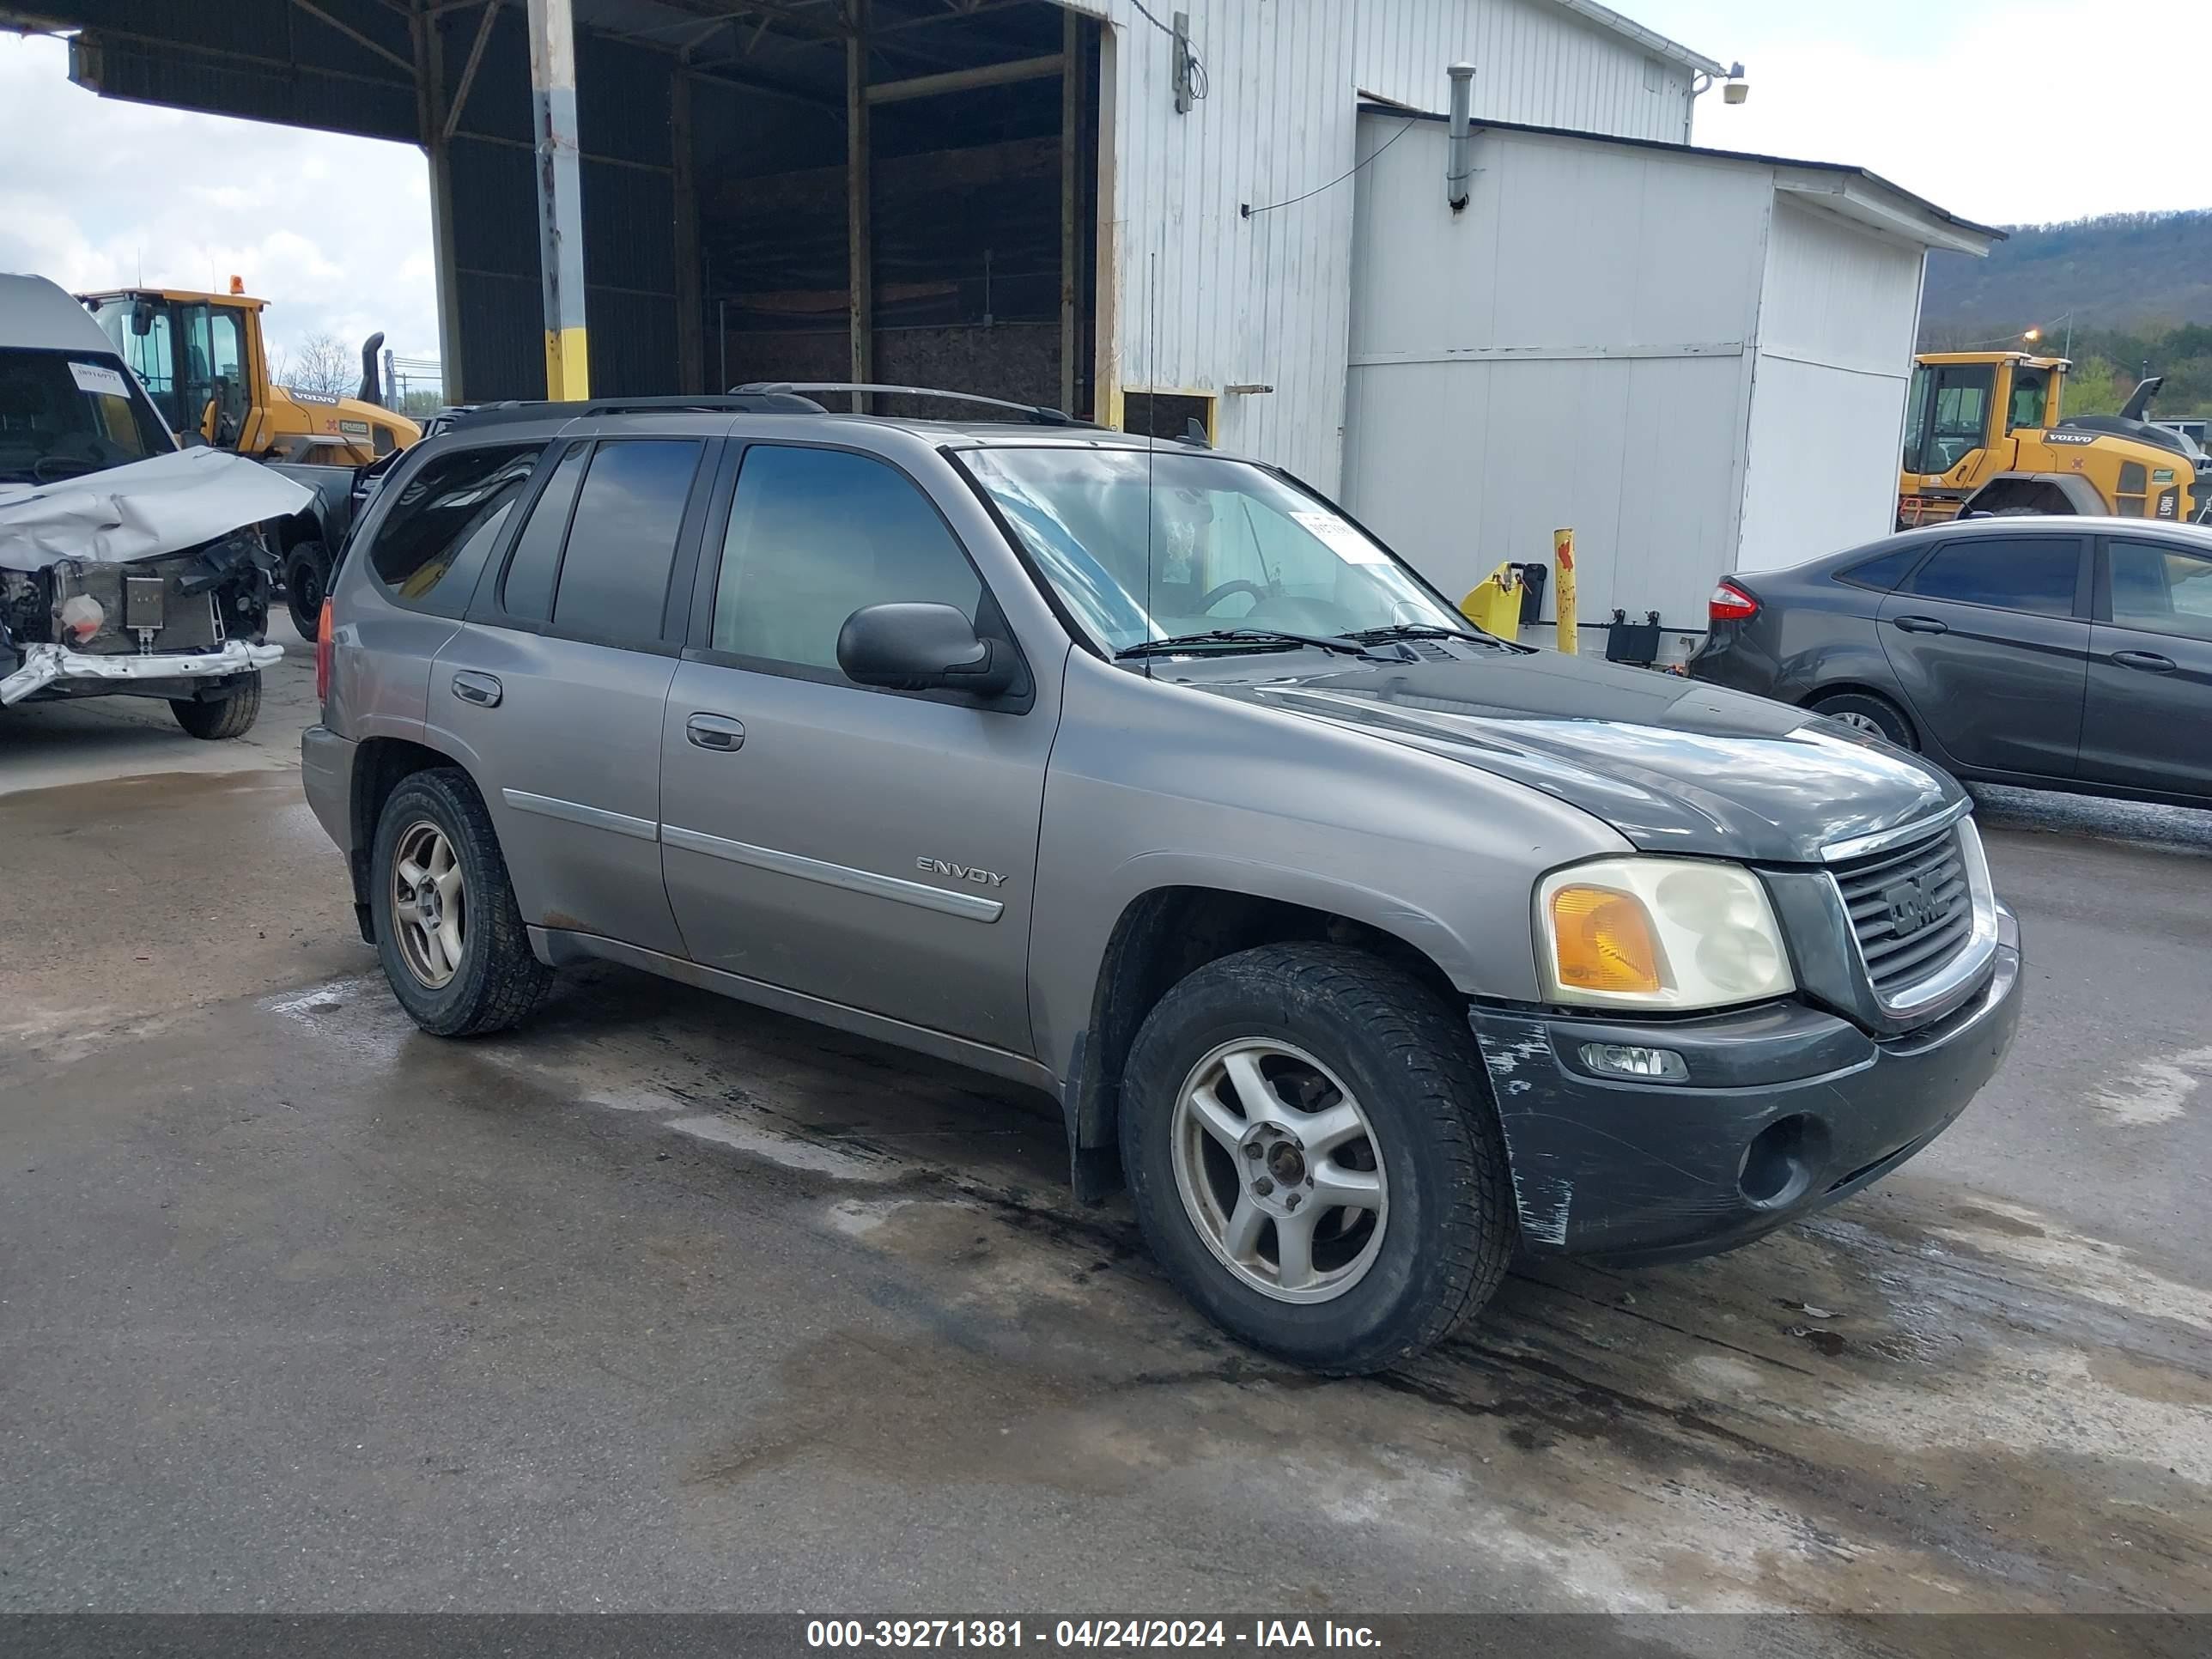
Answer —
(1634, 1062)
(1777, 1164)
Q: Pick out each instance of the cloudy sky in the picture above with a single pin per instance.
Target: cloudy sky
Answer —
(335, 233)
(2008, 112)
(2004, 111)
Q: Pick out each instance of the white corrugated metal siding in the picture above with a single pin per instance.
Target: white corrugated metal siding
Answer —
(1835, 351)
(1203, 297)
(1571, 350)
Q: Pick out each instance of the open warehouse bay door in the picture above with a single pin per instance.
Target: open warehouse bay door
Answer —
(810, 190)
(937, 226)
(728, 165)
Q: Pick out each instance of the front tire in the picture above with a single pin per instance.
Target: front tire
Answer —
(306, 578)
(1876, 716)
(229, 717)
(448, 932)
(1310, 1143)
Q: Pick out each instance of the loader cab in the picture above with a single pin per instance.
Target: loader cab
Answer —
(197, 354)
(1962, 402)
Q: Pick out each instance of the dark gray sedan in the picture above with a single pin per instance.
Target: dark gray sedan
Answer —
(2058, 653)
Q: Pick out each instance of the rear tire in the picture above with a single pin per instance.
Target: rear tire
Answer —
(306, 579)
(231, 717)
(436, 843)
(1876, 716)
(1377, 1281)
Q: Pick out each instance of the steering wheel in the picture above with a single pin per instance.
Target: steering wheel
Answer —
(77, 465)
(1228, 590)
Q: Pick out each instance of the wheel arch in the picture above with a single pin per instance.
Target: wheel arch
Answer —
(1162, 935)
(1865, 688)
(2046, 492)
(380, 765)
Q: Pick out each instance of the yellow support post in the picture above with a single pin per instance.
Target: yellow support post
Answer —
(1563, 567)
(560, 198)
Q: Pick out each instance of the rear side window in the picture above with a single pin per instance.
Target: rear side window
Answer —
(817, 534)
(442, 522)
(1882, 572)
(526, 590)
(613, 583)
(2035, 574)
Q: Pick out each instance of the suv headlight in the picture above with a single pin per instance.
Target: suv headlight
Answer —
(1658, 933)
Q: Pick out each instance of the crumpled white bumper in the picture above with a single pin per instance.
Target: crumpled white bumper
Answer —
(44, 664)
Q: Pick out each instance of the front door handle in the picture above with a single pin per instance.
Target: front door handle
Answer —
(715, 732)
(1922, 624)
(2149, 661)
(483, 690)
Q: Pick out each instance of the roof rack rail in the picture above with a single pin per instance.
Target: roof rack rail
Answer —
(1035, 414)
(747, 401)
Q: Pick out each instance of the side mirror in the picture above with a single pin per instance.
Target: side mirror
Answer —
(923, 647)
(142, 318)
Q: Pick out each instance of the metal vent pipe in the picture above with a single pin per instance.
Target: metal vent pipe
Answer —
(1458, 167)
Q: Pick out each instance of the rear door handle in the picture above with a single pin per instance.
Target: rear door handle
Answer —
(2149, 661)
(716, 732)
(483, 690)
(1922, 624)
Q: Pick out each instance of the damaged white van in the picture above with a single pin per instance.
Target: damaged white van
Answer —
(127, 566)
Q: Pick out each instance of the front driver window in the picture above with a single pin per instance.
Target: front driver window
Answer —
(817, 534)
(2030, 387)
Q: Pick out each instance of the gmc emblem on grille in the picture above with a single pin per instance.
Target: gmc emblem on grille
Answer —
(1913, 905)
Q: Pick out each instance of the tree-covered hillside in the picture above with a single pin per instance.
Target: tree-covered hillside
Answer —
(2136, 290)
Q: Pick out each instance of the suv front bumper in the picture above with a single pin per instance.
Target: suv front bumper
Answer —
(1787, 1108)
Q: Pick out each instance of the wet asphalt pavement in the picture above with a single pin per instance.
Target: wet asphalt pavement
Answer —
(666, 1303)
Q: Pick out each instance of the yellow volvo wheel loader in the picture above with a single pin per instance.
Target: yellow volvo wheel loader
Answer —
(1985, 433)
(203, 362)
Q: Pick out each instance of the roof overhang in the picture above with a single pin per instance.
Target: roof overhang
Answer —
(1838, 187)
(1651, 40)
(1866, 199)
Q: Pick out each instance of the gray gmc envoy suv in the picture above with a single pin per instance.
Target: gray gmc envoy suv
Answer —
(1364, 949)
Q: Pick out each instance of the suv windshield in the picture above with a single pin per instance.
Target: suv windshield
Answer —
(1147, 546)
(65, 413)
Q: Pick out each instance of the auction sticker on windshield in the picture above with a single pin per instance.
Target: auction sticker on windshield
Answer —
(91, 377)
(1341, 539)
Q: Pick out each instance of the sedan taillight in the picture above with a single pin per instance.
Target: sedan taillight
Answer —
(1731, 604)
(323, 653)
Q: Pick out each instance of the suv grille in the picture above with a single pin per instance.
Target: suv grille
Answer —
(1910, 910)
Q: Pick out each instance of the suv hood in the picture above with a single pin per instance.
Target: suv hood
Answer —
(1674, 764)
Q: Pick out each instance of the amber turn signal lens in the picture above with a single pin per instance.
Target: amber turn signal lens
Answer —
(1604, 941)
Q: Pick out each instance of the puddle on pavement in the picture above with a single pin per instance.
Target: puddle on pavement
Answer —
(1920, 1400)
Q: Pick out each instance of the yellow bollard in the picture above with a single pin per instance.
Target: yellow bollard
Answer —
(1563, 568)
(1493, 605)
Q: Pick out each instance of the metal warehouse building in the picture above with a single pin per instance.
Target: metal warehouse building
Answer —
(1012, 196)
(1144, 211)
(1697, 359)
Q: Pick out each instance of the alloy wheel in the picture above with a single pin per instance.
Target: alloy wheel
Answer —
(1279, 1171)
(429, 906)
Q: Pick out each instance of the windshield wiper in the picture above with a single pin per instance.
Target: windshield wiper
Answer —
(1249, 636)
(1422, 631)
(1396, 631)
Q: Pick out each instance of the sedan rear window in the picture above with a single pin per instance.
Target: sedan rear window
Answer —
(1884, 571)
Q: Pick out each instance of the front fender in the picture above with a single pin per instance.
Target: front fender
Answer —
(2081, 495)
